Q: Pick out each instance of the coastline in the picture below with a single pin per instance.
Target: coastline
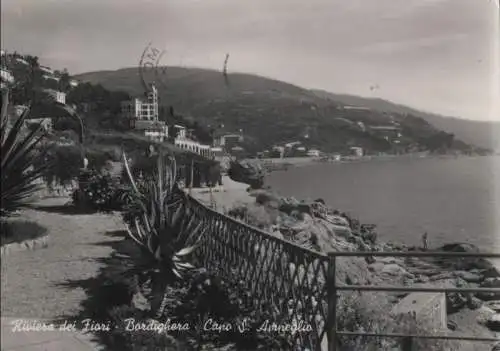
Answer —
(465, 311)
(278, 164)
(233, 194)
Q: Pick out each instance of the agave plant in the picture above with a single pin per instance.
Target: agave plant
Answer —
(163, 226)
(19, 165)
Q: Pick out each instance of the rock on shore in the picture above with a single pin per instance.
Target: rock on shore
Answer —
(315, 226)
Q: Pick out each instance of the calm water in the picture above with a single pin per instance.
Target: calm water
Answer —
(454, 200)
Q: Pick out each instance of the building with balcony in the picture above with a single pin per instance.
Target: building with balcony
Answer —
(142, 110)
(194, 146)
(143, 116)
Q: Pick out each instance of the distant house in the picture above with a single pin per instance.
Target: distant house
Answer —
(357, 151)
(59, 96)
(386, 131)
(313, 153)
(46, 70)
(228, 140)
(47, 76)
(6, 77)
(180, 131)
(358, 108)
(217, 152)
(157, 132)
(22, 61)
(279, 151)
(361, 126)
(74, 83)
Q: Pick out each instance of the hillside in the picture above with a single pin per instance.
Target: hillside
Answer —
(480, 133)
(269, 111)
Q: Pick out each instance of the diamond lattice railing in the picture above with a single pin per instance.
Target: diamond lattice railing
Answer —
(289, 277)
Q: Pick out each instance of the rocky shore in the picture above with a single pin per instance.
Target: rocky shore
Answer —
(316, 226)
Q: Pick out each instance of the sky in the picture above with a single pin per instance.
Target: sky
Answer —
(440, 56)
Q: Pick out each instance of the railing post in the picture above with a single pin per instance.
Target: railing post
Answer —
(331, 322)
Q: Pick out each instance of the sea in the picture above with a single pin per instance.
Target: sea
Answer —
(452, 199)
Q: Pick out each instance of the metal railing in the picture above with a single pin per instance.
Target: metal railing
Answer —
(239, 251)
(333, 333)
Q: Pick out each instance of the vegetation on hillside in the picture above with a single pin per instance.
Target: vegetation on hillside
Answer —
(480, 133)
(271, 112)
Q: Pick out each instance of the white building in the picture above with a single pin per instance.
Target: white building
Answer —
(23, 61)
(6, 78)
(140, 110)
(194, 146)
(46, 70)
(59, 96)
(143, 115)
(157, 132)
(313, 153)
(357, 108)
(47, 76)
(357, 151)
(223, 140)
(181, 132)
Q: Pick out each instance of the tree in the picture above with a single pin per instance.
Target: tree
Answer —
(64, 81)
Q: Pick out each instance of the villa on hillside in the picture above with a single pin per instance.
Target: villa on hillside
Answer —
(6, 77)
(143, 116)
(227, 141)
(388, 132)
(59, 96)
(313, 153)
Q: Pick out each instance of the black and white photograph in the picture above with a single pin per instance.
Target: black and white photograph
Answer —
(226, 175)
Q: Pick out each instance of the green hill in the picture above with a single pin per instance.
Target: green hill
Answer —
(480, 133)
(270, 111)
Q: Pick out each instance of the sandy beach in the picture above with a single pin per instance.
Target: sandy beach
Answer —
(225, 196)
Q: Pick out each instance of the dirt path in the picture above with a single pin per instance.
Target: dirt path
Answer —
(34, 284)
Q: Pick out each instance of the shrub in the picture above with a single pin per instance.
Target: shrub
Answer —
(226, 302)
(65, 163)
(358, 313)
(256, 215)
(100, 192)
(264, 197)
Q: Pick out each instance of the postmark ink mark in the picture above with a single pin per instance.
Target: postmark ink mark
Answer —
(224, 70)
(150, 69)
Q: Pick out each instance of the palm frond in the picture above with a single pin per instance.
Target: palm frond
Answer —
(20, 162)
